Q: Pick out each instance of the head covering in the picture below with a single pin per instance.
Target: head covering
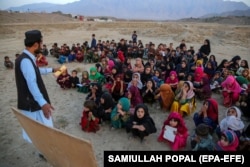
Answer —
(99, 88)
(190, 93)
(85, 73)
(212, 111)
(128, 76)
(198, 74)
(33, 36)
(111, 64)
(124, 102)
(232, 122)
(206, 86)
(202, 130)
(95, 77)
(136, 96)
(108, 101)
(175, 80)
(167, 95)
(139, 83)
(145, 108)
(232, 140)
(231, 84)
(121, 56)
(181, 127)
(199, 63)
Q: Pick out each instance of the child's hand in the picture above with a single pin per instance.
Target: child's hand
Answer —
(141, 128)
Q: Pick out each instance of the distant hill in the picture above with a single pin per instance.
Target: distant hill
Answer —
(138, 9)
(235, 20)
(15, 17)
(230, 13)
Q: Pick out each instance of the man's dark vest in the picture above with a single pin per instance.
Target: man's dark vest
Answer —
(25, 100)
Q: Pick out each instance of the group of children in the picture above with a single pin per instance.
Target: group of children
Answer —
(120, 92)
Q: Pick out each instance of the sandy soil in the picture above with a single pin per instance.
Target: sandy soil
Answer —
(226, 42)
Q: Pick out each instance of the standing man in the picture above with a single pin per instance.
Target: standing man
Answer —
(32, 96)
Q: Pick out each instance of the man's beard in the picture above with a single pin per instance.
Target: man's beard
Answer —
(38, 50)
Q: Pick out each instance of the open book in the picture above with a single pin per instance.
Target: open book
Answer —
(169, 133)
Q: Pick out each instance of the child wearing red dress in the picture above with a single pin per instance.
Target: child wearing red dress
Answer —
(175, 120)
(89, 121)
(41, 60)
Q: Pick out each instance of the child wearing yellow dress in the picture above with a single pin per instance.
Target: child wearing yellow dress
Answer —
(184, 101)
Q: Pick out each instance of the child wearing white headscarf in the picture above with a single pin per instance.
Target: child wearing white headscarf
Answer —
(232, 121)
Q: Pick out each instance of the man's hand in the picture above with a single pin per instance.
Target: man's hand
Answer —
(56, 69)
(47, 109)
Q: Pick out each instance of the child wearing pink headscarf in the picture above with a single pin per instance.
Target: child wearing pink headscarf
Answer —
(175, 120)
(198, 74)
(172, 80)
(231, 91)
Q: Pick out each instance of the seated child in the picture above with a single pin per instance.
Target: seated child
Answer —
(8, 63)
(198, 74)
(244, 102)
(228, 141)
(148, 92)
(208, 114)
(74, 80)
(107, 104)
(95, 93)
(120, 114)
(41, 60)
(231, 91)
(215, 82)
(175, 120)
(204, 91)
(95, 76)
(202, 140)
(244, 79)
(118, 88)
(85, 83)
(165, 96)
(136, 77)
(184, 101)
(61, 59)
(89, 121)
(244, 144)
(157, 78)
(134, 96)
(138, 67)
(146, 75)
(79, 56)
(172, 80)
(71, 56)
(232, 121)
(63, 80)
(141, 124)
